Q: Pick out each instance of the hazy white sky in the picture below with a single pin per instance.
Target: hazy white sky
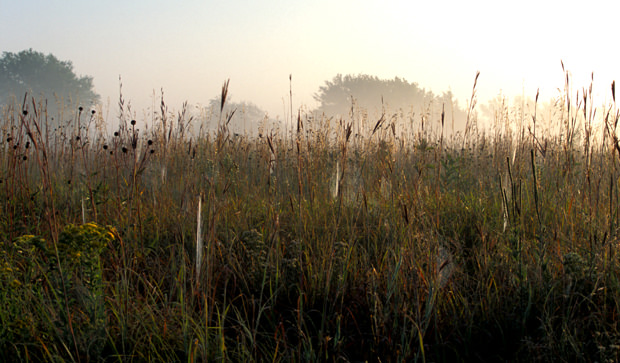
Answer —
(190, 47)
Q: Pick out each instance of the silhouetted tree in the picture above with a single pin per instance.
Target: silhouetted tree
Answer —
(43, 76)
(337, 96)
(239, 117)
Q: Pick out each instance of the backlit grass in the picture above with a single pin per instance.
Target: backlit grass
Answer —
(342, 240)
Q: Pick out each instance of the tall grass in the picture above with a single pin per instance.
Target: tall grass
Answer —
(351, 240)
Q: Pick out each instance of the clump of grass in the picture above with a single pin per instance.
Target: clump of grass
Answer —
(59, 289)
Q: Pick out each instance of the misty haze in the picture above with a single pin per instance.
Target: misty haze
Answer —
(31, 78)
(309, 181)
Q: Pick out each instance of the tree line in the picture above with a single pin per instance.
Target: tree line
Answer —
(46, 77)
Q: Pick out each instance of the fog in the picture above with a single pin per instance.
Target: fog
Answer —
(189, 49)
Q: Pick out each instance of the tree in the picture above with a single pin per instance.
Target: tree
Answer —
(43, 76)
(337, 95)
(373, 94)
(245, 117)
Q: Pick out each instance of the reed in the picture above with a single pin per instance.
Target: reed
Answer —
(354, 240)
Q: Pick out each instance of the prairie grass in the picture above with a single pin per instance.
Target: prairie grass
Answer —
(342, 240)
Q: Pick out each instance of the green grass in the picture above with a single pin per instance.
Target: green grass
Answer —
(496, 245)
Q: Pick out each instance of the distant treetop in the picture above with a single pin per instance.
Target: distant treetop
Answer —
(337, 96)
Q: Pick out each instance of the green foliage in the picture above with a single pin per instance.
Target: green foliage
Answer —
(71, 286)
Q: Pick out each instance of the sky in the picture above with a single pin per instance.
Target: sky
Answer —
(189, 48)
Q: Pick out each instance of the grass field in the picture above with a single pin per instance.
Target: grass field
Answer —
(351, 239)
